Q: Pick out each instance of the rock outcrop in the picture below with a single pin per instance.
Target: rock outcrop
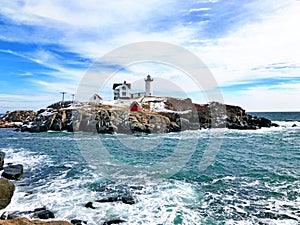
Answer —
(2, 156)
(25, 221)
(177, 115)
(124, 199)
(78, 222)
(13, 171)
(45, 214)
(115, 221)
(13, 119)
(7, 189)
(38, 213)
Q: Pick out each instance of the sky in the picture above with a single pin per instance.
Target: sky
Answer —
(251, 48)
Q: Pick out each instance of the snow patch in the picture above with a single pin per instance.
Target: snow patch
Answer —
(157, 106)
(46, 113)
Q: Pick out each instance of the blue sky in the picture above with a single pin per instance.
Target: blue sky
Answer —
(251, 47)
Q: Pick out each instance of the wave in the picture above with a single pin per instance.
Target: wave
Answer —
(58, 177)
(289, 124)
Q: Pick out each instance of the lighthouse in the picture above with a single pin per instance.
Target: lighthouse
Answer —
(148, 86)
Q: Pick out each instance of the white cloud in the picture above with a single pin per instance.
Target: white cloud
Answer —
(94, 13)
(263, 99)
(56, 87)
(9, 102)
(27, 74)
(274, 39)
(199, 9)
(92, 28)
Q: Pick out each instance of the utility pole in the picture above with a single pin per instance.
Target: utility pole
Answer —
(63, 98)
(73, 97)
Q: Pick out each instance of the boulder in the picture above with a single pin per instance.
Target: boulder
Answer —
(115, 221)
(128, 200)
(13, 172)
(14, 215)
(7, 189)
(45, 214)
(264, 122)
(109, 199)
(89, 205)
(41, 213)
(2, 155)
(78, 222)
(125, 199)
(294, 125)
(39, 209)
(241, 127)
(25, 221)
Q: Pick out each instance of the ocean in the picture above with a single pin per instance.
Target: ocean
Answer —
(216, 176)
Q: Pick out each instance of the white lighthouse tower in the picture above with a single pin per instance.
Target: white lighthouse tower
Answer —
(148, 86)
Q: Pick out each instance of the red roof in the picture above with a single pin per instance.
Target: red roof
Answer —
(135, 106)
(98, 96)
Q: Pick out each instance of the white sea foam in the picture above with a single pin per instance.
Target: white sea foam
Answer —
(157, 203)
(288, 124)
(22, 156)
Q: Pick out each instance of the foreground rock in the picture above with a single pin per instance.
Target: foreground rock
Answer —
(2, 156)
(115, 221)
(7, 189)
(25, 221)
(78, 222)
(38, 213)
(45, 214)
(124, 199)
(13, 172)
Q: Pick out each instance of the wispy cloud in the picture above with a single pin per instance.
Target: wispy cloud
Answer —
(262, 99)
(270, 83)
(9, 102)
(260, 44)
(199, 9)
(243, 43)
(55, 87)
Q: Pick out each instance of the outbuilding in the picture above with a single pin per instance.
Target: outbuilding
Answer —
(135, 106)
(96, 99)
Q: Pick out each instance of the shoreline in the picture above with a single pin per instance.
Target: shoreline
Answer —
(156, 115)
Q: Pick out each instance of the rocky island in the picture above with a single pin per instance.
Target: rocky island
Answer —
(146, 115)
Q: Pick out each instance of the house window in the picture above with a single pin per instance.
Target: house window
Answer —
(94, 97)
(124, 93)
(123, 87)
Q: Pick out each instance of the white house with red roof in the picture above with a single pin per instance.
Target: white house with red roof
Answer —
(96, 99)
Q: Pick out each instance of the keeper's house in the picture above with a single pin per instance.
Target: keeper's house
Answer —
(122, 90)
